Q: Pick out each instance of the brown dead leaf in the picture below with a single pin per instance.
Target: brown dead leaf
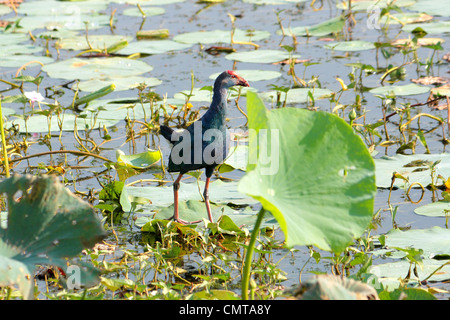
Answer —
(420, 42)
(289, 61)
(431, 80)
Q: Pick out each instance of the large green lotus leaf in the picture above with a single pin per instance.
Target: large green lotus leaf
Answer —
(430, 28)
(260, 56)
(99, 42)
(297, 95)
(153, 47)
(47, 225)
(121, 84)
(221, 36)
(433, 7)
(61, 8)
(149, 11)
(366, 4)
(18, 60)
(401, 90)
(434, 241)
(254, 75)
(318, 178)
(96, 68)
(413, 167)
(318, 30)
(434, 209)
(355, 45)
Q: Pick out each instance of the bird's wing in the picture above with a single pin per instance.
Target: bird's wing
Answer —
(171, 134)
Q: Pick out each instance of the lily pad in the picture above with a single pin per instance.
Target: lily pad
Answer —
(120, 83)
(12, 38)
(254, 75)
(96, 68)
(297, 95)
(99, 42)
(148, 11)
(390, 273)
(221, 36)
(15, 61)
(366, 4)
(272, 2)
(330, 177)
(153, 47)
(260, 56)
(161, 197)
(433, 7)
(434, 241)
(356, 45)
(430, 28)
(59, 22)
(59, 8)
(414, 167)
(401, 90)
(330, 26)
(434, 209)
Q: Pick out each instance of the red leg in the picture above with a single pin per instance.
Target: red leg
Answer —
(176, 214)
(206, 196)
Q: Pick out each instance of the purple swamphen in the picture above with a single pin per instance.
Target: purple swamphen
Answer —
(203, 143)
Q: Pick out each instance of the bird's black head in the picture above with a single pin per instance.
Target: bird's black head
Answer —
(230, 78)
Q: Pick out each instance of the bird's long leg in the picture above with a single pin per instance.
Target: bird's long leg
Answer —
(206, 196)
(176, 214)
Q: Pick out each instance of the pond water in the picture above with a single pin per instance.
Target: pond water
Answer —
(173, 69)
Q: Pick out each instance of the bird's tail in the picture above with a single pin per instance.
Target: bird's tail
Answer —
(166, 132)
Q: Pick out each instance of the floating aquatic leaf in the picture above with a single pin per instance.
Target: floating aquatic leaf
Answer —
(434, 209)
(434, 241)
(390, 274)
(148, 11)
(143, 160)
(405, 18)
(401, 90)
(254, 75)
(15, 61)
(355, 45)
(367, 4)
(58, 8)
(58, 22)
(272, 2)
(221, 36)
(297, 95)
(99, 42)
(319, 30)
(12, 38)
(330, 177)
(153, 47)
(433, 7)
(430, 27)
(260, 56)
(414, 167)
(120, 83)
(19, 49)
(96, 68)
